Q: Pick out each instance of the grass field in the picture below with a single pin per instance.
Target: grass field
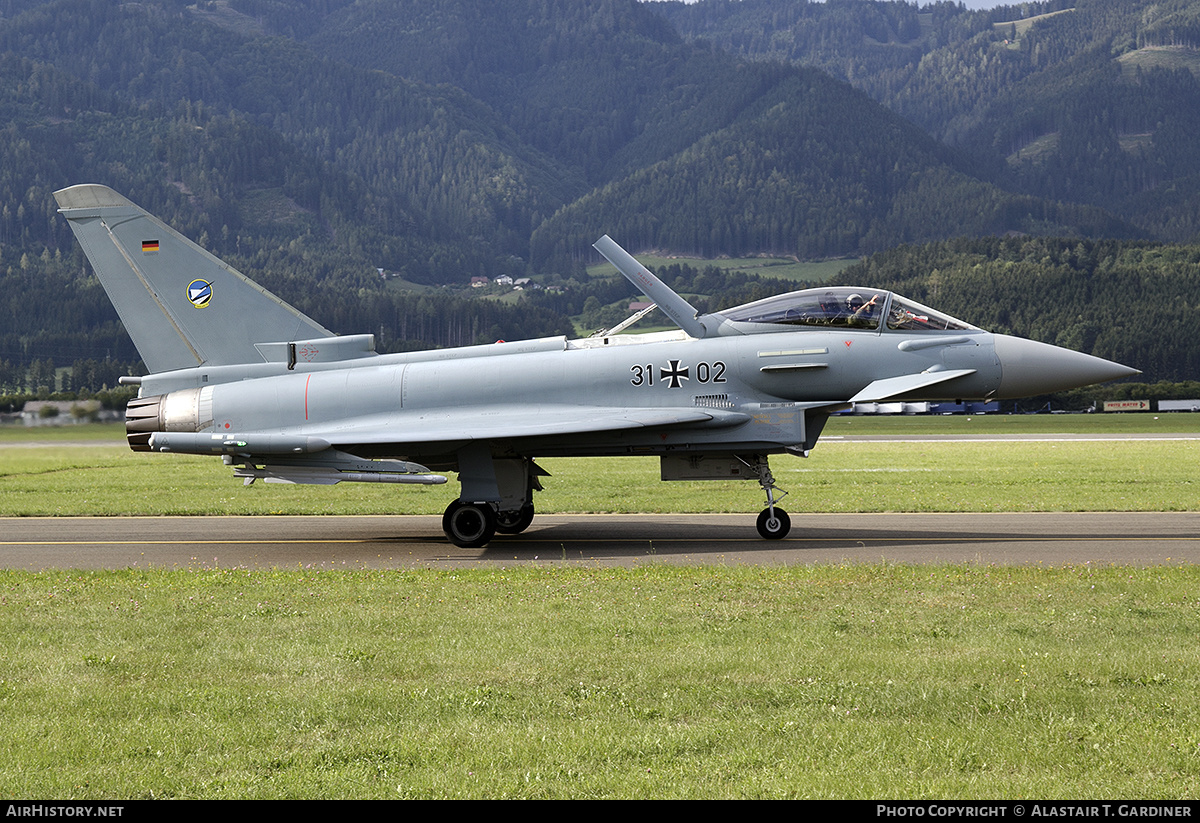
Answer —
(867, 681)
(92, 473)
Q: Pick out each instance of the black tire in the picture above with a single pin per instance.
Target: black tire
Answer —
(446, 515)
(775, 528)
(469, 525)
(516, 521)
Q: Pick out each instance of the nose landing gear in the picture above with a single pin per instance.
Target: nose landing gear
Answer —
(773, 522)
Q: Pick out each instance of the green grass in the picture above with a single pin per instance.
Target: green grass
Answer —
(657, 681)
(1025, 24)
(1015, 424)
(110, 433)
(73, 478)
(1036, 150)
(1171, 58)
(865, 681)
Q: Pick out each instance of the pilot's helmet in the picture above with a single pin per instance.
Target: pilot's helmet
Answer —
(854, 301)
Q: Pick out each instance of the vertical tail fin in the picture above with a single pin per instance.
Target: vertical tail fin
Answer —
(181, 305)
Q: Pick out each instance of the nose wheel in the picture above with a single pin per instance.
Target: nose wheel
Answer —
(773, 523)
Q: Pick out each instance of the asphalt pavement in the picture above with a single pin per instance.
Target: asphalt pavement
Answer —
(401, 542)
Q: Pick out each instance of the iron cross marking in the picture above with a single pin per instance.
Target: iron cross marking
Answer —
(674, 374)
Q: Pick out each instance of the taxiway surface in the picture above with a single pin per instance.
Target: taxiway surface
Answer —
(399, 542)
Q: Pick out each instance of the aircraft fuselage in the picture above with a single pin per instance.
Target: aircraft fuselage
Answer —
(755, 385)
(237, 372)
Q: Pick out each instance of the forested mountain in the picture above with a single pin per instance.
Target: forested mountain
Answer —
(314, 143)
(684, 147)
(430, 135)
(1083, 101)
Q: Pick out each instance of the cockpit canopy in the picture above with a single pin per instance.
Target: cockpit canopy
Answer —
(845, 307)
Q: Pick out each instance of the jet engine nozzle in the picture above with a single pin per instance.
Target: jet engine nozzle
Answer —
(141, 421)
(178, 411)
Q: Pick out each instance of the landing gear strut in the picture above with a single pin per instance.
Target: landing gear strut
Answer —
(496, 497)
(773, 522)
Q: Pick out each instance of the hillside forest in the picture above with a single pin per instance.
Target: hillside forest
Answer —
(1032, 168)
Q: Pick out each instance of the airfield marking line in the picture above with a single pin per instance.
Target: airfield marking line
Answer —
(276, 542)
(973, 438)
(1016, 538)
(518, 540)
(1040, 538)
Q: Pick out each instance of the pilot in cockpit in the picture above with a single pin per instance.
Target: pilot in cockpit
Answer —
(862, 314)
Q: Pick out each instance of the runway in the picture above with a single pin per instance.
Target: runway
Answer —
(404, 542)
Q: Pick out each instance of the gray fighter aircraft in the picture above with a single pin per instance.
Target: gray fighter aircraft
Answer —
(236, 372)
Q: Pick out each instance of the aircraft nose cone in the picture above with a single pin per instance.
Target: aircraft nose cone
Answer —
(1030, 368)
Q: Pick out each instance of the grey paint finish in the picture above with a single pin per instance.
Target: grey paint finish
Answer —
(238, 373)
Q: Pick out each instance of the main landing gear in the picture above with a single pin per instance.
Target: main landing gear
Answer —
(473, 525)
(496, 497)
(516, 521)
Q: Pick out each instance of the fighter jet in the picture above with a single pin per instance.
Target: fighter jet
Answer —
(236, 372)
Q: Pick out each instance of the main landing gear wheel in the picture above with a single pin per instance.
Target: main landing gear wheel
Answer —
(774, 525)
(469, 525)
(516, 521)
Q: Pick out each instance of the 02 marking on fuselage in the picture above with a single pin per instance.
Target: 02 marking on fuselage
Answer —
(674, 373)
